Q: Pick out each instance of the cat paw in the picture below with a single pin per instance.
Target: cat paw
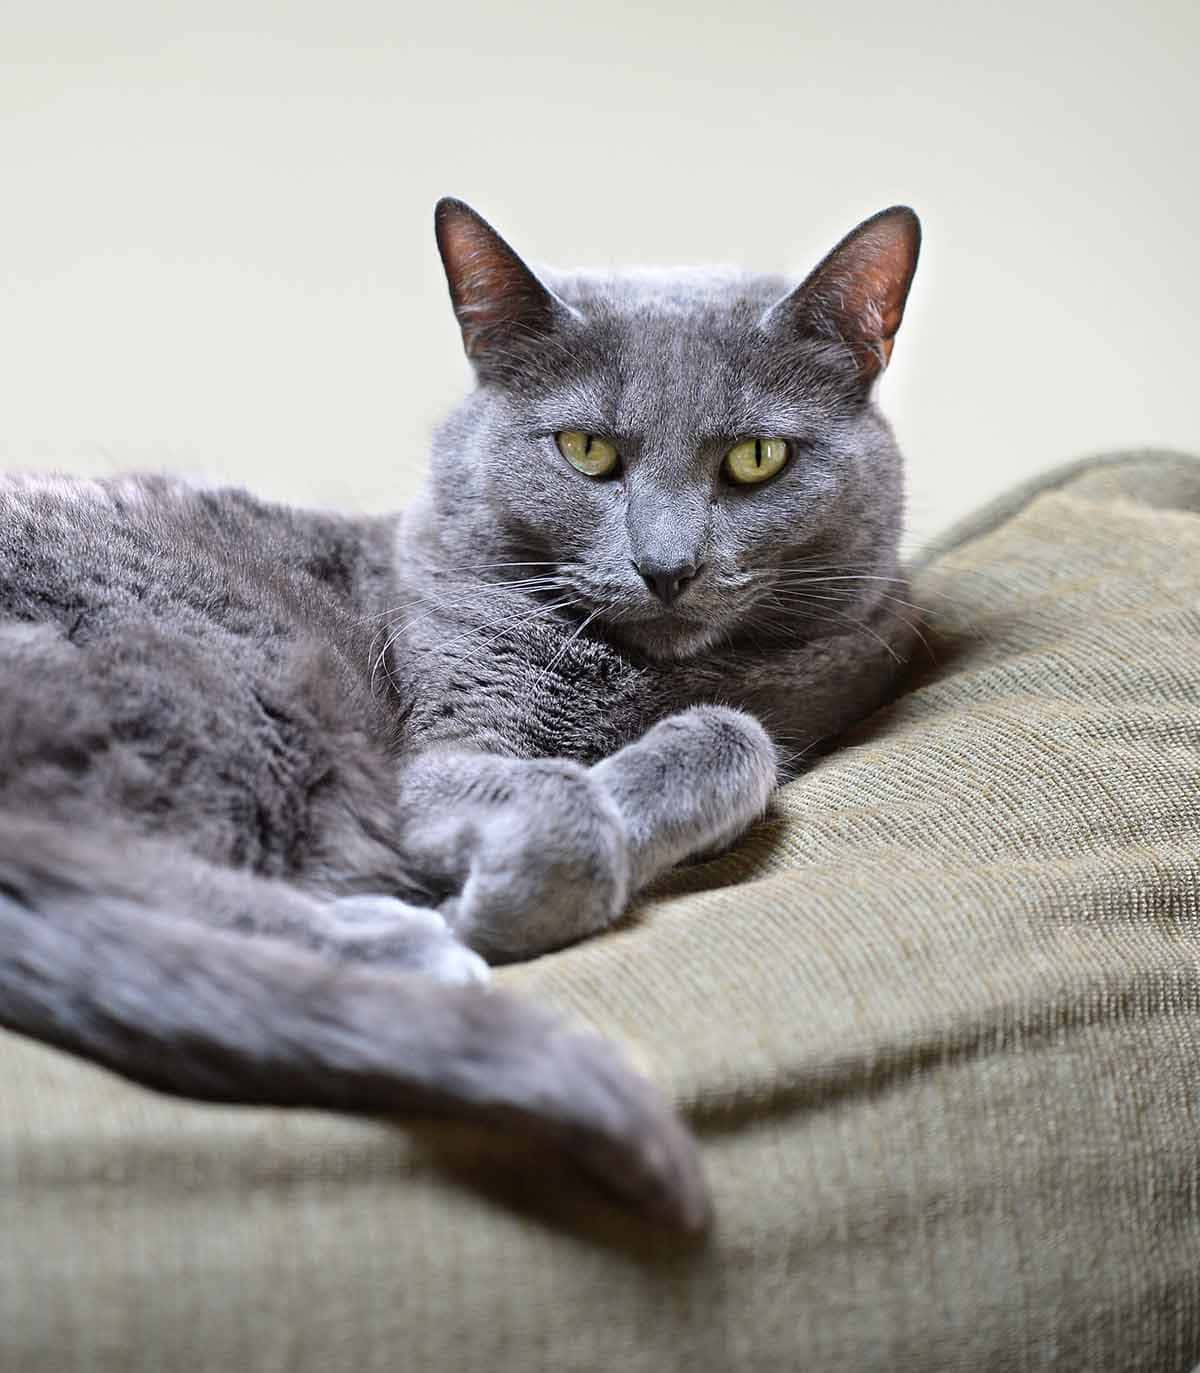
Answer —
(383, 930)
(456, 965)
(533, 850)
(744, 763)
(690, 785)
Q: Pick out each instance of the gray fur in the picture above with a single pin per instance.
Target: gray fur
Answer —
(259, 766)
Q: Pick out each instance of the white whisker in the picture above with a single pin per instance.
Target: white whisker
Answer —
(578, 631)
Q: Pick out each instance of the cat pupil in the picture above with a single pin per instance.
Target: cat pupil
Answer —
(758, 452)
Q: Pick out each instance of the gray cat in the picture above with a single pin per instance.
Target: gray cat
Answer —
(259, 766)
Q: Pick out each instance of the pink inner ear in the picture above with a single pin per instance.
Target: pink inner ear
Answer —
(492, 289)
(878, 274)
(477, 272)
(859, 291)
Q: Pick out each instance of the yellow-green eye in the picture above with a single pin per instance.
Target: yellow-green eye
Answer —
(592, 456)
(754, 460)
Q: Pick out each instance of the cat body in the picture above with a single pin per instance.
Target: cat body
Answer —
(262, 768)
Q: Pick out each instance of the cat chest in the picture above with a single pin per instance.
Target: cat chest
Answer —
(549, 692)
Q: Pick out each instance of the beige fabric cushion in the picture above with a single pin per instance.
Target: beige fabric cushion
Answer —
(936, 1021)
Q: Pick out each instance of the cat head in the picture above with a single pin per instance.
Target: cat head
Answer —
(670, 450)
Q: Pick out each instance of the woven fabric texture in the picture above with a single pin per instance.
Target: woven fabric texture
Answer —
(936, 1021)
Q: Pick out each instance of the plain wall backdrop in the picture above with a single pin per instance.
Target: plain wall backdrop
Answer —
(216, 250)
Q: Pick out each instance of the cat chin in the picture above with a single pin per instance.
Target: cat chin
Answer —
(669, 640)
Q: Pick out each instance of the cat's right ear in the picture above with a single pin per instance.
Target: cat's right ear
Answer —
(856, 295)
(500, 304)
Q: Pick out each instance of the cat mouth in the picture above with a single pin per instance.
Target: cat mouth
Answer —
(666, 617)
(668, 633)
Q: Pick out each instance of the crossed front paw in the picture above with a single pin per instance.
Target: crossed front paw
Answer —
(533, 850)
(690, 785)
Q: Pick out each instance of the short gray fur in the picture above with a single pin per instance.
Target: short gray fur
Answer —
(259, 767)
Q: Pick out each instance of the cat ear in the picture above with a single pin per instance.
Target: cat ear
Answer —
(857, 294)
(499, 302)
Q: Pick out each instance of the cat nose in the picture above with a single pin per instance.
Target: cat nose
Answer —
(666, 582)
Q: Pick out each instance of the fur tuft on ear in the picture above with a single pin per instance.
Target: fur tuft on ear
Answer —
(498, 301)
(857, 293)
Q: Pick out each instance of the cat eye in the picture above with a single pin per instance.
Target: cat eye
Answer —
(586, 453)
(754, 460)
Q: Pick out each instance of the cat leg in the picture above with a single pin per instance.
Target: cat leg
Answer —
(108, 950)
(372, 928)
(543, 852)
(382, 930)
(533, 851)
(689, 785)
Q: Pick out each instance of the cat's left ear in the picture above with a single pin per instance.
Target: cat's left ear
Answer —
(500, 304)
(857, 294)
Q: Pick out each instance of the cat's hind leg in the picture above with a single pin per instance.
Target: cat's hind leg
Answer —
(108, 949)
(392, 933)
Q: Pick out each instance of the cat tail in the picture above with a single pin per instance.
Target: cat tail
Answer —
(99, 956)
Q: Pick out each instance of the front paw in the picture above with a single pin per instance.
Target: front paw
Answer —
(737, 767)
(690, 785)
(533, 851)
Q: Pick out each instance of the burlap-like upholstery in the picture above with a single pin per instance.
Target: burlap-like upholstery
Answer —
(937, 1022)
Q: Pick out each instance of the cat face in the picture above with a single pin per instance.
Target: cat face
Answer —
(671, 449)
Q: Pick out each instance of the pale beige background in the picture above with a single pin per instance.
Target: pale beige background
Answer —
(215, 248)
